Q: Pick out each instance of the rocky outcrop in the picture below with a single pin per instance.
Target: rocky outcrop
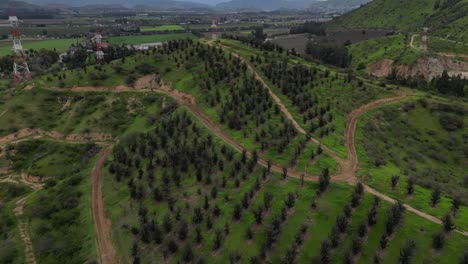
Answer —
(429, 67)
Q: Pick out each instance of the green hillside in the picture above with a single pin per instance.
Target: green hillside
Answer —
(445, 17)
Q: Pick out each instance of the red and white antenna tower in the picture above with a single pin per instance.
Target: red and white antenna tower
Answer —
(424, 39)
(99, 44)
(20, 65)
(214, 28)
(99, 48)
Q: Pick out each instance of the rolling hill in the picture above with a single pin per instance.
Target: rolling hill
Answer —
(446, 18)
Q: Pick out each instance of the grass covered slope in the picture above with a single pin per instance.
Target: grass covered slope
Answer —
(191, 198)
(61, 226)
(72, 112)
(394, 47)
(393, 14)
(319, 98)
(446, 18)
(224, 89)
(419, 144)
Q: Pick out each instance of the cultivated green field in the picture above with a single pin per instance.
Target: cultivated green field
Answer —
(133, 40)
(60, 45)
(161, 28)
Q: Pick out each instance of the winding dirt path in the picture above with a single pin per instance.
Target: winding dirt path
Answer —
(23, 228)
(106, 251)
(23, 225)
(350, 166)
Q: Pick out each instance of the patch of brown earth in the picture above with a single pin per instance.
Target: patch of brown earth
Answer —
(381, 68)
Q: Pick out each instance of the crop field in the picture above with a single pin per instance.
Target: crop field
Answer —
(50, 31)
(161, 28)
(134, 40)
(422, 153)
(331, 94)
(60, 45)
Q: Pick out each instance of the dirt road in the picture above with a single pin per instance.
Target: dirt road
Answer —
(349, 167)
(106, 251)
(23, 225)
(23, 228)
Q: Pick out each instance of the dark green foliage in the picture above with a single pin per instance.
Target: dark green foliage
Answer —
(310, 27)
(447, 223)
(435, 197)
(438, 240)
(329, 53)
(407, 252)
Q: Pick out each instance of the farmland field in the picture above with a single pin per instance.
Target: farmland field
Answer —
(60, 45)
(161, 28)
(133, 40)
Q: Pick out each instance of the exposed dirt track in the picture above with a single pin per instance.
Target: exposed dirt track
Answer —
(349, 167)
(23, 226)
(106, 251)
(99, 138)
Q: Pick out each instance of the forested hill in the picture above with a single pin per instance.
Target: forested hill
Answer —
(446, 18)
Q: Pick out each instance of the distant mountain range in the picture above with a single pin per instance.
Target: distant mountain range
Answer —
(266, 5)
(162, 4)
(251, 5)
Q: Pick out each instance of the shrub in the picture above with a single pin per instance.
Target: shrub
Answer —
(438, 240)
(451, 122)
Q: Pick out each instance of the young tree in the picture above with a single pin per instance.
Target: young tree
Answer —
(290, 200)
(183, 231)
(237, 212)
(285, 173)
(198, 235)
(249, 233)
(187, 254)
(407, 252)
(435, 197)
(394, 181)
(448, 223)
(410, 186)
(438, 240)
(218, 240)
(325, 252)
